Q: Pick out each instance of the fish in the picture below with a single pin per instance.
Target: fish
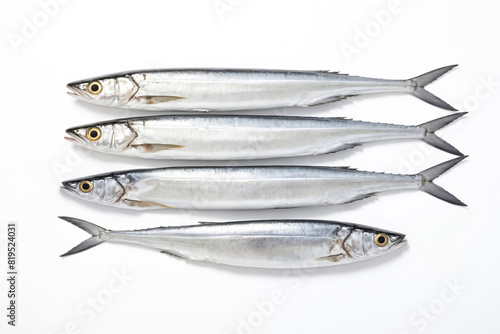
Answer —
(248, 187)
(213, 89)
(241, 137)
(259, 244)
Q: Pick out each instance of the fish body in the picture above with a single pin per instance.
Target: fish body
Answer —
(263, 244)
(222, 137)
(239, 89)
(244, 188)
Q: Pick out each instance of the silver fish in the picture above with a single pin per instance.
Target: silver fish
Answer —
(242, 188)
(240, 89)
(262, 244)
(217, 137)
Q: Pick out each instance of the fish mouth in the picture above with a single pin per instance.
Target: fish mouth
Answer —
(74, 137)
(68, 189)
(71, 139)
(77, 93)
(400, 242)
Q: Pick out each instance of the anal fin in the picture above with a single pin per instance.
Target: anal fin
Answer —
(191, 257)
(342, 148)
(327, 100)
(360, 197)
(174, 254)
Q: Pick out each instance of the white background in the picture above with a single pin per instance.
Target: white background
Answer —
(404, 292)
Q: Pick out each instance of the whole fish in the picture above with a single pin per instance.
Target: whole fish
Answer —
(240, 89)
(242, 188)
(217, 137)
(263, 244)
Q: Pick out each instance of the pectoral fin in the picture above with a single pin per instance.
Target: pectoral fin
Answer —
(152, 148)
(332, 258)
(155, 99)
(145, 204)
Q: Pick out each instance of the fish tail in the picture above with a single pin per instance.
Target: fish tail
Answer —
(432, 139)
(422, 80)
(432, 173)
(92, 229)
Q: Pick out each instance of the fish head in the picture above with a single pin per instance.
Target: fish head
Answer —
(364, 243)
(102, 189)
(113, 136)
(107, 90)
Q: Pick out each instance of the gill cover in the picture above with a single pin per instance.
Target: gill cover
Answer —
(103, 189)
(111, 91)
(106, 137)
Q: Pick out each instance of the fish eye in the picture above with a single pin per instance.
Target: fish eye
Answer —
(381, 239)
(94, 134)
(94, 87)
(86, 186)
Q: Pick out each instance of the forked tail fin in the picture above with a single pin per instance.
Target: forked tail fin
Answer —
(92, 229)
(430, 174)
(425, 79)
(432, 139)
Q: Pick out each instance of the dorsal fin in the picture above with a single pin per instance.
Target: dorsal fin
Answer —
(345, 167)
(208, 223)
(327, 71)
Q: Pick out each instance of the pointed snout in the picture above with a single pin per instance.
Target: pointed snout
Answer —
(399, 242)
(74, 137)
(76, 92)
(68, 187)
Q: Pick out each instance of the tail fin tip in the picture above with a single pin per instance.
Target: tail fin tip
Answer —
(438, 192)
(432, 139)
(432, 189)
(432, 173)
(439, 123)
(94, 230)
(425, 79)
